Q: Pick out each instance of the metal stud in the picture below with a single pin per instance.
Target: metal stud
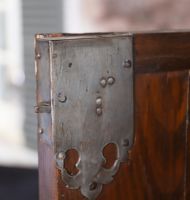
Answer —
(41, 130)
(93, 186)
(36, 109)
(127, 64)
(62, 98)
(103, 82)
(126, 142)
(98, 101)
(99, 111)
(60, 155)
(111, 80)
(38, 56)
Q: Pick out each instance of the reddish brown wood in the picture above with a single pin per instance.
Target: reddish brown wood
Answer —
(187, 194)
(157, 52)
(48, 187)
(159, 152)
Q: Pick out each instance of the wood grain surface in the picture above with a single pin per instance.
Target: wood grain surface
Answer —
(187, 177)
(158, 52)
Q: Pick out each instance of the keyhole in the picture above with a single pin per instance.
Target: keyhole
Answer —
(71, 158)
(110, 155)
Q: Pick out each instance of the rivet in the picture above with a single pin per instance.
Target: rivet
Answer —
(60, 155)
(126, 142)
(38, 56)
(61, 98)
(111, 80)
(36, 109)
(99, 111)
(127, 64)
(99, 101)
(41, 130)
(93, 186)
(103, 82)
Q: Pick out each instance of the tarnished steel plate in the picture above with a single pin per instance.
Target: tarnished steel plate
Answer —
(92, 106)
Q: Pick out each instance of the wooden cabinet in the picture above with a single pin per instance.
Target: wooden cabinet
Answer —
(156, 110)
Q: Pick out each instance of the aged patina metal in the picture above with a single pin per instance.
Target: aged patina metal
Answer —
(43, 107)
(91, 105)
(127, 63)
(103, 82)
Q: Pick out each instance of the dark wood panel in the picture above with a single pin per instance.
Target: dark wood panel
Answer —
(159, 151)
(187, 193)
(157, 166)
(155, 52)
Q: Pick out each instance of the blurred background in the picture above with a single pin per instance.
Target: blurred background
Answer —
(19, 21)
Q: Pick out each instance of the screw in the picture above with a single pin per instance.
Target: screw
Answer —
(61, 98)
(41, 130)
(93, 186)
(103, 82)
(99, 111)
(36, 109)
(38, 56)
(60, 155)
(99, 101)
(126, 142)
(127, 64)
(111, 80)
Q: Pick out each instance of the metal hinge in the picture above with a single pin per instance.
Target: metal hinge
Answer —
(93, 99)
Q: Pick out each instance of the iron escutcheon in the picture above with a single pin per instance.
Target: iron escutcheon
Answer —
(94, 76)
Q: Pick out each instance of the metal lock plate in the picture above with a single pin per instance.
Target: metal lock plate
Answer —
(92, 106)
